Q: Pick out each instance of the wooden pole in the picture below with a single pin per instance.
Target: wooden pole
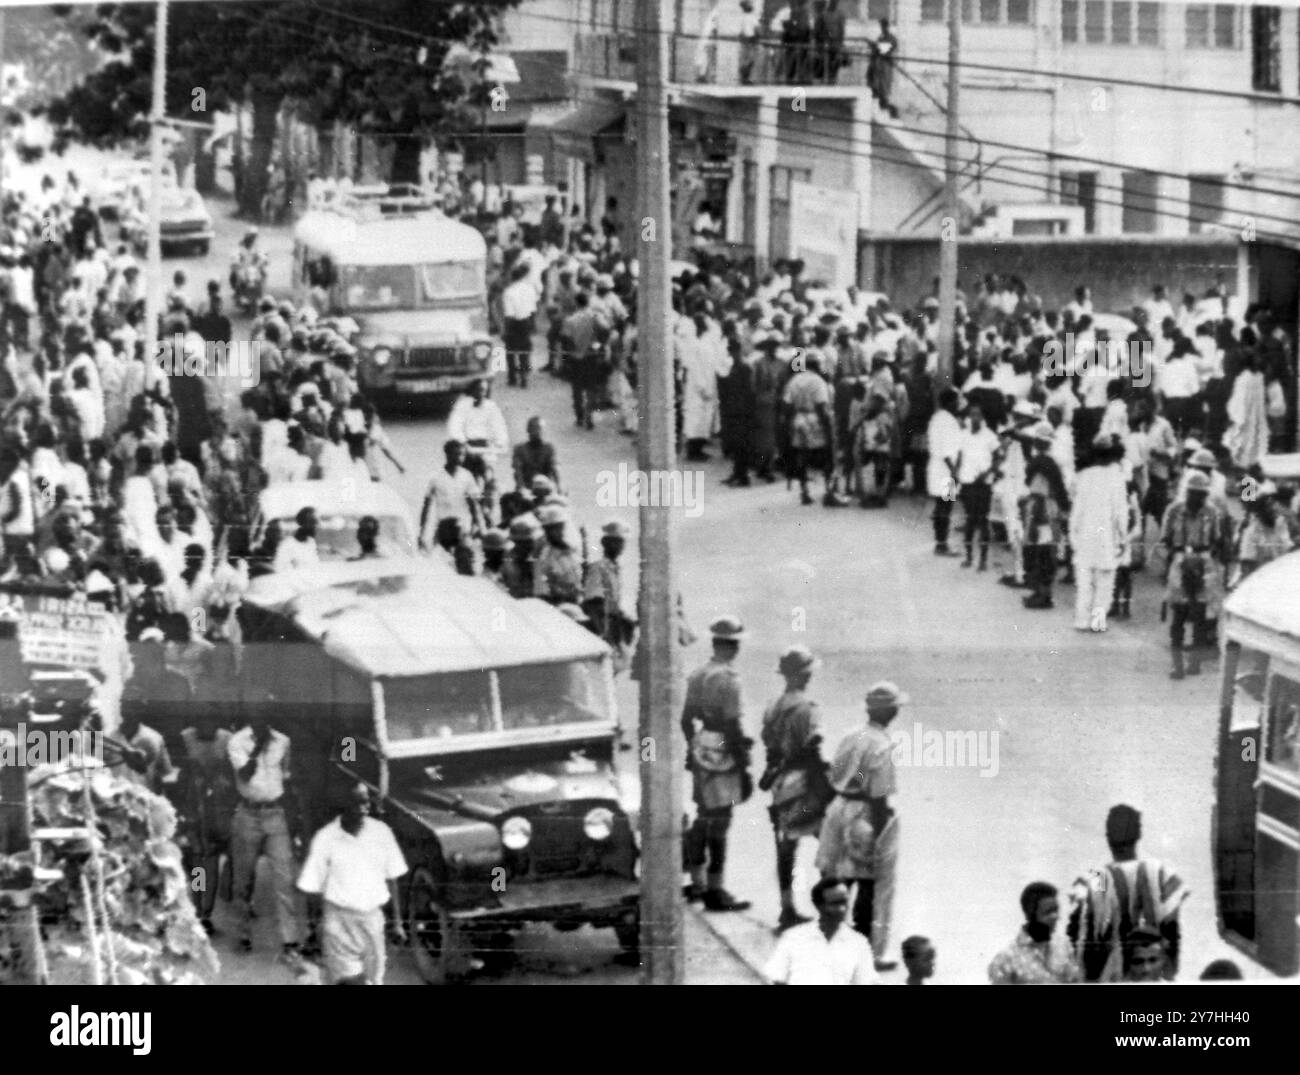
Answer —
(660, 742)
(153, 272)
(948, 226)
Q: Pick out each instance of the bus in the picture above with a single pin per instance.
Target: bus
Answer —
(411, 279)
(1256, 826)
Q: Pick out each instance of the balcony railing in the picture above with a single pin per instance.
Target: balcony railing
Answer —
(769, 63)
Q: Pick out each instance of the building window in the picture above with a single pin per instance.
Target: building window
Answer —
(1139, 198)
(1205, 202)
(1080, 188)
(983, 12)
(1110, 21)
(1211, 26)
(933, 10)
(1266, 47)
(1121, 22)
(879, 9)
(1148, 24)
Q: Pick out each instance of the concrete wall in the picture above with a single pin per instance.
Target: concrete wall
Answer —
(1120, 272)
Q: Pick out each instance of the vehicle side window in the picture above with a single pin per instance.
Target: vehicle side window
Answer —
(320, 272)
(1282, 747)
(1247, 699)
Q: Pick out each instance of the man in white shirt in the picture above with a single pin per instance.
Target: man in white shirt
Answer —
(518, 307)
(259, 756)
(477, 422)
(452, 494)
(975, 465)
(1179, 385)
(1157, 308)
(943, 438)
(353, 866)
(825, 952)
(298, 550)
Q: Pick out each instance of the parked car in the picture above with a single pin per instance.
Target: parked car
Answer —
(485, 727)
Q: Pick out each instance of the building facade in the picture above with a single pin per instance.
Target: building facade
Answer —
(1075, 120)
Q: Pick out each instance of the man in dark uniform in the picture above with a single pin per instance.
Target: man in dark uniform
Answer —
(718, 759)
(795, 773)
(518, 570)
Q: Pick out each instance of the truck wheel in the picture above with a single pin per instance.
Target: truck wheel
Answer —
(433, 936)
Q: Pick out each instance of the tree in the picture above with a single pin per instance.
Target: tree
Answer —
(382, 71)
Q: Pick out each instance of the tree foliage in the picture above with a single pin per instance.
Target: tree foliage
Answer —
(377, 67)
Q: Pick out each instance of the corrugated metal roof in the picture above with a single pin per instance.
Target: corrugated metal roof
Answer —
(398, 618)
(1271, 596)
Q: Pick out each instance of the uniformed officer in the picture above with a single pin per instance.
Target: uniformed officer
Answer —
(859, 837)
(519, 568)
(1195, 536)
(795, 773)
(603, 594)
(713, 722)
(558, 573)
(496, 543)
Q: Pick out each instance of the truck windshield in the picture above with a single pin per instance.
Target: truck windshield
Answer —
(541, 695)
(451, 280)
(377, 287)
(438, 707)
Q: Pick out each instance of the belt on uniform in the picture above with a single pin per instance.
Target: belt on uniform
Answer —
(271, 805)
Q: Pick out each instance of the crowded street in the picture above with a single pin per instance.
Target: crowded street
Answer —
(333, 538)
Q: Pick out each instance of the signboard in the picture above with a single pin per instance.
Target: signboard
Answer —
(59, 631)
(824, 232)
(715, 169)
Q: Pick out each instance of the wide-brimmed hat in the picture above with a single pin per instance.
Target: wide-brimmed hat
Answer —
(796, 659)
(495, 539)
(1202, 459)
(1198, 480)
(553, 515)
(727, 629)
(525, 526)
(886, 695)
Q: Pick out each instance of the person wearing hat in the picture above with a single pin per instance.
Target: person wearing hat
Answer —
(558, 574)
(771, 372)
(535, 458)
(1130, 894)
(810, 425)
(718, 757)
(858, 840)
(1046, 505)
(795, 773)
(519, 568)
(1009, 488)
(603, 595)
(1203, 460)
(496, 544)
(1265, 534)
(1195, 535)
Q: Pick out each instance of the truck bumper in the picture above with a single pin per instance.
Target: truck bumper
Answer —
(598, 900)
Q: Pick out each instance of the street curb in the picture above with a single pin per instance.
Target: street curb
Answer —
(730, 945)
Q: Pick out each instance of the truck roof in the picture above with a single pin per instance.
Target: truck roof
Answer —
(1270, 597)
(396, 618)
(412, 239)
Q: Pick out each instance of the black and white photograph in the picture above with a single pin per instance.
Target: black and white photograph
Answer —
(651, 492)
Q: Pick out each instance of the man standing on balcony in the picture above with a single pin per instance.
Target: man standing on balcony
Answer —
(706, 49)
(880, 73)
(748, 35)
(828, 33)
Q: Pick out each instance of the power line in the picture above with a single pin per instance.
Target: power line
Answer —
(838, 148)
(1034, 150)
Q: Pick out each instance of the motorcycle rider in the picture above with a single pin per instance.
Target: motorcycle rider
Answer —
(248, 270)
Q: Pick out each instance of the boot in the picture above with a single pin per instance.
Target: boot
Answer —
(1179, 669)
(984, 558)
(969, 554)
(1193, 663)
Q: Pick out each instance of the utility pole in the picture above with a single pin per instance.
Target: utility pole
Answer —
(3, 110)
(951, 208)
(157, 113)
(660, 741)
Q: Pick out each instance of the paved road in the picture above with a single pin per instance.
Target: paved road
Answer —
(1076, 722)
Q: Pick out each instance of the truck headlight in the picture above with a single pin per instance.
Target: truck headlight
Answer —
(380, 356)
(483, 350)
(516, 832)
(599, 823)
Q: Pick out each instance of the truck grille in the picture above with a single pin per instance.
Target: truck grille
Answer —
(558, 848)
(437, 358)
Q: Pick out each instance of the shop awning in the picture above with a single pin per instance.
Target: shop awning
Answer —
(574, 132)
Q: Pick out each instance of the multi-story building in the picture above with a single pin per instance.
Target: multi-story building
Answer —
(1150, 137)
